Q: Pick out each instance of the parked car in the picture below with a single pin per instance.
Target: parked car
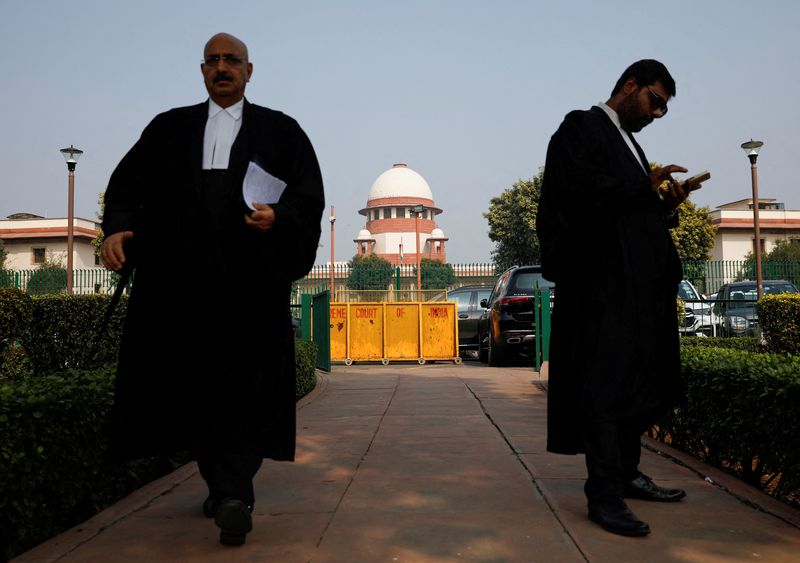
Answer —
(469, 298)
(506, 327)
(735, 305)
(687, 328)
(703, 318)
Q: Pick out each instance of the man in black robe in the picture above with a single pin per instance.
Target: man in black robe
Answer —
(603, 226)
(207, 356)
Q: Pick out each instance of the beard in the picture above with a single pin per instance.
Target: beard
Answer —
(631, 116)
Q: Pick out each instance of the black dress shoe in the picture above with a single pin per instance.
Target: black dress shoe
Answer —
(210, 506)
(643, 488)
(234, 521)
(617, 518)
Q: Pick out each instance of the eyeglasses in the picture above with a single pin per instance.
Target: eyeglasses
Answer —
(229, 59)
(658, 102)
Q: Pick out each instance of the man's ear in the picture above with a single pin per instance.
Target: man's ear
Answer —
(630, 86)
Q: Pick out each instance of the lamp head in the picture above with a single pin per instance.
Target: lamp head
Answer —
(71, 155)
(751, 149)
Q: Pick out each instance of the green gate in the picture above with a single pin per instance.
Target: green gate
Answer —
(541, 307)
(320, 329)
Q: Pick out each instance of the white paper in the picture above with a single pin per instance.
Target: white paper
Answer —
(260, 186)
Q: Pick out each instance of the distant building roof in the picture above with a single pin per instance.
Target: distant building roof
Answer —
(400, 181)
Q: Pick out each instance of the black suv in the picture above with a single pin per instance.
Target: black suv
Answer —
(507, 325)
(735, 305)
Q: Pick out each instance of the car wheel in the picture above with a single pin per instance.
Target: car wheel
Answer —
(495, 356)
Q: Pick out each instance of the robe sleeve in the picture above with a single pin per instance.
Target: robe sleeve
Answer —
(124, 198)
(299, 211)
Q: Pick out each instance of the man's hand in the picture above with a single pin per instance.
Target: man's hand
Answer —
(668, 189)
(112, 252)
(261, 219)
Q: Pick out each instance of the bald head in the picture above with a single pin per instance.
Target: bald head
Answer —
(226, 69)
(228, 37)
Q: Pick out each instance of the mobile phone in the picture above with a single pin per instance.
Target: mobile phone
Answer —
(697, 178)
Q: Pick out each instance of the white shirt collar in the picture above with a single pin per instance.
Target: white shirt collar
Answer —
(611, 114)
(235, 111)
(626, 136)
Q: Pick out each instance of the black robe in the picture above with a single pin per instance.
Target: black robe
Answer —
(605, 243)
(207, 353)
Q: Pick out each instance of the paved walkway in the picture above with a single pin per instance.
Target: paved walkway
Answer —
(436, 463)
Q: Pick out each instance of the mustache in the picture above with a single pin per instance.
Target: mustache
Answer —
(223, 76)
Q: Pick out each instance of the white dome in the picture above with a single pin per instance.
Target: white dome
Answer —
(364, 234)
(437, 233)
(400, 181)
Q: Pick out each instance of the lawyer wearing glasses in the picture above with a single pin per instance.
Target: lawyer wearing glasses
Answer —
(207, 356)
(614, 357)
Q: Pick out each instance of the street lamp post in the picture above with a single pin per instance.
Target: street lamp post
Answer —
(417, 210)
(71, 155)
(333, 220)
(751, 148)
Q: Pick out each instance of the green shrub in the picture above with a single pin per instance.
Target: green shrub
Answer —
(435, 274)
(369, 272)
(15, 315)
(63, 330)
(741, 415)
(48, 278)
(305, 361)
(779, 317)
(53, 456)
(15, 318)
(747, 343)
(14, 363)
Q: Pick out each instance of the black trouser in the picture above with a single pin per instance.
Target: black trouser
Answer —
(230, 474)
(613, 450)
(224, 460)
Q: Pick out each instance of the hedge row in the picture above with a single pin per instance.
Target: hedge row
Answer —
(779, 317)
(305, 361)
(746, 343)
(54, 453)
(741, 416)
(42, 335)
(53, 456)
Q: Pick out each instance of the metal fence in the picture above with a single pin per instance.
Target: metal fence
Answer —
(708, 277)
(400, 284)
(40, 281)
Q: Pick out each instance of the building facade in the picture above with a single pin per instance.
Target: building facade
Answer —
(30, 241)
(735, 236)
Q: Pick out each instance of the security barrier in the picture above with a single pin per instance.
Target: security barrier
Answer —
(394, 331)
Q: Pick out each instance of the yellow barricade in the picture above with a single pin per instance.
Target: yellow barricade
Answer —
(390, 331)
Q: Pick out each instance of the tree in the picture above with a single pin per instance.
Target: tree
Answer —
(694, 235)
(785, 250)
(782, 262)
(512, 223)
(97, 241)
(3, 254)
(435, 274)
(370, 272)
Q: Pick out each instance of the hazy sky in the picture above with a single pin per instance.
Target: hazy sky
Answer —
(466, 93)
